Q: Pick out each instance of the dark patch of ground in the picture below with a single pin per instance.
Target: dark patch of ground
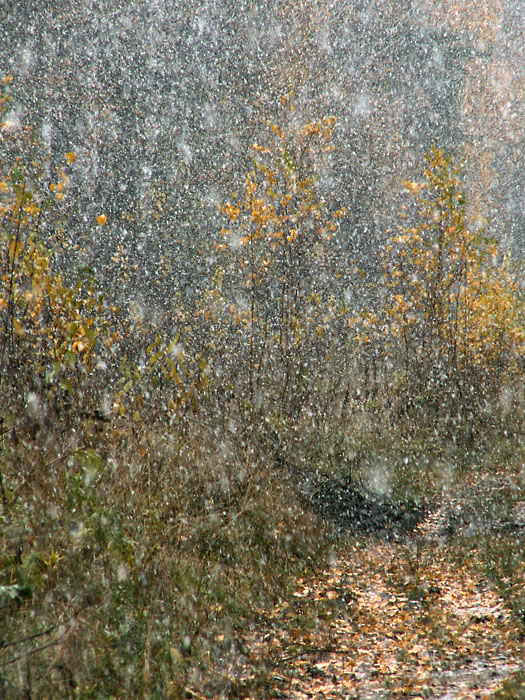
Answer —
(338, 500)
(351, 508)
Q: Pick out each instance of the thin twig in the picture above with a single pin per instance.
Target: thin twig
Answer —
(8, 326)
(312, 650)
(30, 653)
(46, 466)
(4, 645)
(3, 493)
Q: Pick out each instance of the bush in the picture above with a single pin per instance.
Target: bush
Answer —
(271, 310)
(453, 323)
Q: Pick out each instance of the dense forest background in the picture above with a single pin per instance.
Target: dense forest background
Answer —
(161, 102)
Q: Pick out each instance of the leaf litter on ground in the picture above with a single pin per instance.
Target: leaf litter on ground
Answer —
(388, 619)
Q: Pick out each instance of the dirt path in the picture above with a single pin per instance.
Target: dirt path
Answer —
(385, 621)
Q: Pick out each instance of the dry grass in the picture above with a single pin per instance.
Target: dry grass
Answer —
(127, 567)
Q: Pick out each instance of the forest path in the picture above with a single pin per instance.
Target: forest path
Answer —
(386, 620)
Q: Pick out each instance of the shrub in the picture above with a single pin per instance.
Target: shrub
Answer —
(271, 307)
(453, 319)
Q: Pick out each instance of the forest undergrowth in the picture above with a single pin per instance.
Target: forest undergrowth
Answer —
(172, 492)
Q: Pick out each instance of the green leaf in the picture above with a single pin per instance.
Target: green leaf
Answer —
(16, 592)
(71, 359)
(66, 385)
(91, 336)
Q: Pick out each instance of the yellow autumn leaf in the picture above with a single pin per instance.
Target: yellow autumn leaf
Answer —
(278, 131)
(71, 157)
(18, 328)
(102, 219)
(64, 180)
(413, 187)
(15, 249)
